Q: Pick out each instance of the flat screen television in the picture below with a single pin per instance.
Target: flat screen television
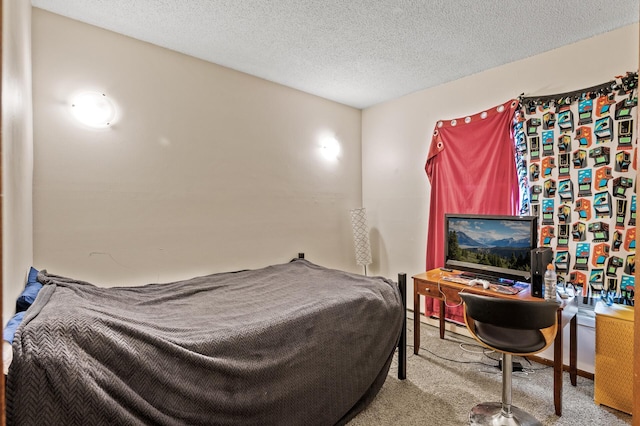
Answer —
(491, 245)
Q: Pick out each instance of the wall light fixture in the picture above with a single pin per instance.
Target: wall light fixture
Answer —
(93, 109)
(330, 148)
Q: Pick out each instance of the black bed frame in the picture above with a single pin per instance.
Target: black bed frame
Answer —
(402, 345)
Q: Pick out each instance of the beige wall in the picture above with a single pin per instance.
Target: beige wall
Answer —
(204, 170)
(396, 135)
(208, 169)
(17, 150)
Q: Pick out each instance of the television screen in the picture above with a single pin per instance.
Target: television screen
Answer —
(495, 246)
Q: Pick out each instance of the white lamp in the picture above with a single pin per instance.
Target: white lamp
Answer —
(93, 109)
(361, 237)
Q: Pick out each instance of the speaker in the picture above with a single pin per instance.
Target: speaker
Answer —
(540, 258)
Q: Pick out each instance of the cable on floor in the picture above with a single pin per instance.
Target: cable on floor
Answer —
(484, 351)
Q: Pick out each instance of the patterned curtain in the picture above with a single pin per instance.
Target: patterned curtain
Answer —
(578, 161)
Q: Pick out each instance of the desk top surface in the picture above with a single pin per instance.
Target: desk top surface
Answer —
(442, 278)
(437, 277)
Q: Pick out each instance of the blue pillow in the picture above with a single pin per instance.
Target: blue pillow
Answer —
(28, 295)
(12, 326)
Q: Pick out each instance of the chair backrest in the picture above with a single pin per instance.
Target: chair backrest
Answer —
(510, 313)
(509, 325)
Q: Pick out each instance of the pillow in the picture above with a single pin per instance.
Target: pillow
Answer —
(28, 295)
(11, 327)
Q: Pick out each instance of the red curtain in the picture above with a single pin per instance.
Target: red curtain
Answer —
(471, 167)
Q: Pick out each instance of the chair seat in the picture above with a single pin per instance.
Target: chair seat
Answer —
(509, 339)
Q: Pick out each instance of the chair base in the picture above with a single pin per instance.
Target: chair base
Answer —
(490, 414)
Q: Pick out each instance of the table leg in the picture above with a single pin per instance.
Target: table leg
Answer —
(557, 367)
(573, 350)
(416, 321)
(442, 319)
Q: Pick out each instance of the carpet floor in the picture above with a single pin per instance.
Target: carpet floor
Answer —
(451, 375)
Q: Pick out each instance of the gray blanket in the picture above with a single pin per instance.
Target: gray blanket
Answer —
(290, 344)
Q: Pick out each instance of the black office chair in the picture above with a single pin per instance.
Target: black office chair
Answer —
(511, 327)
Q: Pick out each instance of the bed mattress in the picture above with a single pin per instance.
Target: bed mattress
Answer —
(289, 344)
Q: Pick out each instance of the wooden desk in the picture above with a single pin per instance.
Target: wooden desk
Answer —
(431, 284)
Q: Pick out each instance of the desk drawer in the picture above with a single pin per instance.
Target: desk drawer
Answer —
(450, 295)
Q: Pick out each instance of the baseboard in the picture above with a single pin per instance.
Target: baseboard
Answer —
(565, 367)
(448, 325)
(461, 330)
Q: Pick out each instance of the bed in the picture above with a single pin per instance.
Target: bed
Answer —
(288, 344)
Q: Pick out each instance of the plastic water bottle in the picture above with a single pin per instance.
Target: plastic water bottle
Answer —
(550, 282)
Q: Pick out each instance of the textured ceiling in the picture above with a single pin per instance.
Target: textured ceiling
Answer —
(356, 52)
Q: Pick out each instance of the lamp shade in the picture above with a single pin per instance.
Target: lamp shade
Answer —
(361, 236)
